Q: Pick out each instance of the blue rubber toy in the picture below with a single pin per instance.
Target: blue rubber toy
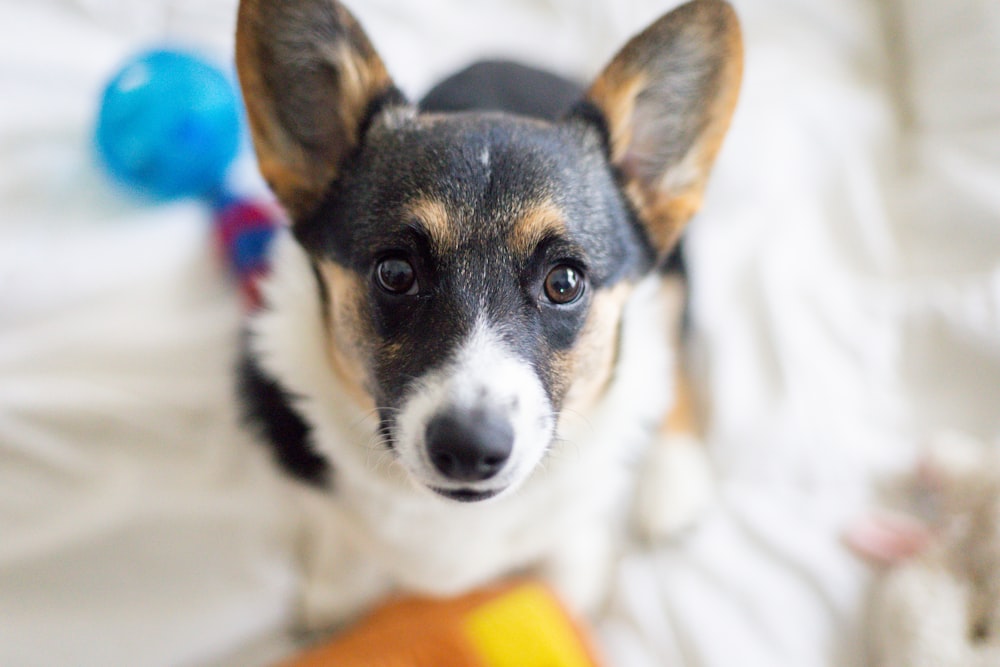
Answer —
(169, 125)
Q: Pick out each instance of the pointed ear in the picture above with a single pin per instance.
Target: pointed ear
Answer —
(666, 100)
(311, 82)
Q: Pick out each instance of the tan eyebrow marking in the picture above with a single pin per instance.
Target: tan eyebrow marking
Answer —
(539, 222)
(432, 214)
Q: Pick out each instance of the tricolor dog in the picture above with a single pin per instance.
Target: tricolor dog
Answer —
(465, 361)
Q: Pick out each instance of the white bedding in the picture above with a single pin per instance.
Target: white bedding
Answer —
(846, 306)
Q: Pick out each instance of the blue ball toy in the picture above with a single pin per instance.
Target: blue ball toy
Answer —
(169, 125)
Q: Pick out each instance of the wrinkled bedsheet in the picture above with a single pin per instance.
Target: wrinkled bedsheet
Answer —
(846, 307)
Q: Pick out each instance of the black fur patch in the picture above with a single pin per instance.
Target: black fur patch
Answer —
(499, 85)
(268, 410)
(391, 96)
(588, 112)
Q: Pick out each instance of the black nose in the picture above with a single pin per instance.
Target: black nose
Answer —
(469, 446)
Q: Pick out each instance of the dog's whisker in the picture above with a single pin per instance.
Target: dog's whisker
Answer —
(562, 449)
(374, 413)
(580, 417)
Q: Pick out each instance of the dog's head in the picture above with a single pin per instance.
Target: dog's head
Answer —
(473, 268)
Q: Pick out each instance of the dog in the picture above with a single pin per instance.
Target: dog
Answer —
(466, 360)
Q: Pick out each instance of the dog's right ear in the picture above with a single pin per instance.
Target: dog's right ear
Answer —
(311, 81)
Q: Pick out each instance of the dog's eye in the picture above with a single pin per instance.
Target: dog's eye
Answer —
(563, 285)
(395, 275)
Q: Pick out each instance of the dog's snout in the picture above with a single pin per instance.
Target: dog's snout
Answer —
(469, 446)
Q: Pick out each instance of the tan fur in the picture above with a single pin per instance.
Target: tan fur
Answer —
(347, 334)
(615, 92)
(665, 204)
(433, 216)
(299, 169)
(665, 215)
(682, 418)
(683, 198)
(534, 225)
(589, 365)
(284, 164)
(360, 75)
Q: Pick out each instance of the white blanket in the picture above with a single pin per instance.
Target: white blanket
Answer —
(846, 305)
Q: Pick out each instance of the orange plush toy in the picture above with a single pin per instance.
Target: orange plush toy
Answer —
(519, 624)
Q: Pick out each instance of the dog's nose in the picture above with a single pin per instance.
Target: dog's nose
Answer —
(469, 446)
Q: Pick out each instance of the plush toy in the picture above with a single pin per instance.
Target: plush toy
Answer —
(937, 604)
(169, 126)
(244, 230)
(517, 624)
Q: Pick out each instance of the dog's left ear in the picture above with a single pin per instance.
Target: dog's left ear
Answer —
(665, 101)
(310, 80)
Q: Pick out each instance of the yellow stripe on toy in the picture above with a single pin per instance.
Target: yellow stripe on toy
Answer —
(525, 628)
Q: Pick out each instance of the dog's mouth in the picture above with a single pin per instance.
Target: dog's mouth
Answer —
(466, 495)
